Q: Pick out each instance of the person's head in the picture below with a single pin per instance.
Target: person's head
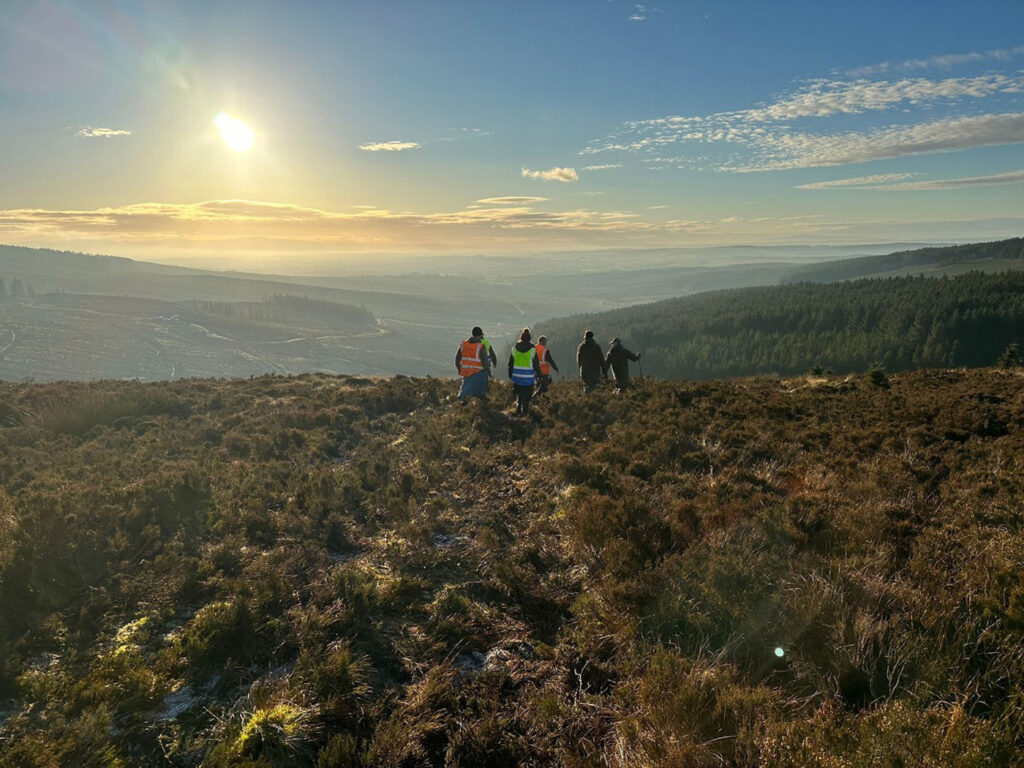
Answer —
(588, 335)
(525, 335)
(477, 331)
(542, 340)
(616, 341)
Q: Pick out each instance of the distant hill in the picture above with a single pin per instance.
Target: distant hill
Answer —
(133, 319)
(324, 571)
(900, 323)
(934, 261)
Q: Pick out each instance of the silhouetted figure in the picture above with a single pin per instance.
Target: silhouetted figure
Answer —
(618, 360)
(590, 361)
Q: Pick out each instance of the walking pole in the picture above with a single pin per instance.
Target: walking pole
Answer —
(642, 386)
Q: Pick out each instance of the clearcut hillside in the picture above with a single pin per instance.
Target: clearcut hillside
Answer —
(334, 571)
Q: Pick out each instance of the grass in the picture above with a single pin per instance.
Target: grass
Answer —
(343, 572)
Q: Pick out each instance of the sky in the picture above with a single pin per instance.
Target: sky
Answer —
(173, 130)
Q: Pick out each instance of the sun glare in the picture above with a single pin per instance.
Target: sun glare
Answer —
(236, 134)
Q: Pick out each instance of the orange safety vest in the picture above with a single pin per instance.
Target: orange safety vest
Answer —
(471, 361)
(542, 354)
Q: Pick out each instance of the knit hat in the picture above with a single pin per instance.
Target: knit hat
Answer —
(525, 335)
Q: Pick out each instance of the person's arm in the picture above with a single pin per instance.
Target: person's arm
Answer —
(458, 359)
(492, 355)
(632, 357)
(579, 356)
(511, 363)
(551, 362)
(536, 364)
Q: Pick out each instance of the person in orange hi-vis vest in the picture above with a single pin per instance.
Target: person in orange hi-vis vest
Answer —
(547, 363)
(473, 363)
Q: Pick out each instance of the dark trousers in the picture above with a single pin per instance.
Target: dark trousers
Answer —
(523, 397)
(543, 382)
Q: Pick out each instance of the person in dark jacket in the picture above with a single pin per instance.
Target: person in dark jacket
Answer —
(524, 370)
(618, 360)
(590, 361)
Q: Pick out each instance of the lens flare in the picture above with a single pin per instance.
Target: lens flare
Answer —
(236, 134)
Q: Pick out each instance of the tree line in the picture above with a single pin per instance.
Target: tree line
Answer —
(1000, 251)
(900, 323)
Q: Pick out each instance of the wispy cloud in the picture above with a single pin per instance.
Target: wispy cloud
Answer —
(461, 134)
(90, 132)
(801, 150)
(511, 200)
(246, 225)
(894, 182)
(767, 137)
(229, 219)
(1009, 177)
(605, 167)
(819, 99)
(857, 182)
(639, 13)
(945, 61)
(389, 146)
(564, 175)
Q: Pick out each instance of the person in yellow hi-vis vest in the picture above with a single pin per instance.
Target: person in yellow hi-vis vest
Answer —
(474, 366)
(523, 369)
(490, 352)
(547, 363)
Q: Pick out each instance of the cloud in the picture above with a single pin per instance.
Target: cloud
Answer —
(801, 150)
(460, 134)
(511, 200)
(858, 182)
(89, 132)
(389, 146)
(605, 167)
(246, 227)
(820, 99)
(564, 175)
(1009, 177)
(945, 61)
(216, 220)
(890, 182)
(767, 137)
(827, 97)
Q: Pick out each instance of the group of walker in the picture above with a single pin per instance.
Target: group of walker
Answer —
(530, 366)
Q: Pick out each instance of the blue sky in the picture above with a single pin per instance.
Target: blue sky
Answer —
(463, 127)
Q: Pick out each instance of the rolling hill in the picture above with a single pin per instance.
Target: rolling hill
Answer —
(900, 323)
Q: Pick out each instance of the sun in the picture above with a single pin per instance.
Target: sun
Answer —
(236, 134)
